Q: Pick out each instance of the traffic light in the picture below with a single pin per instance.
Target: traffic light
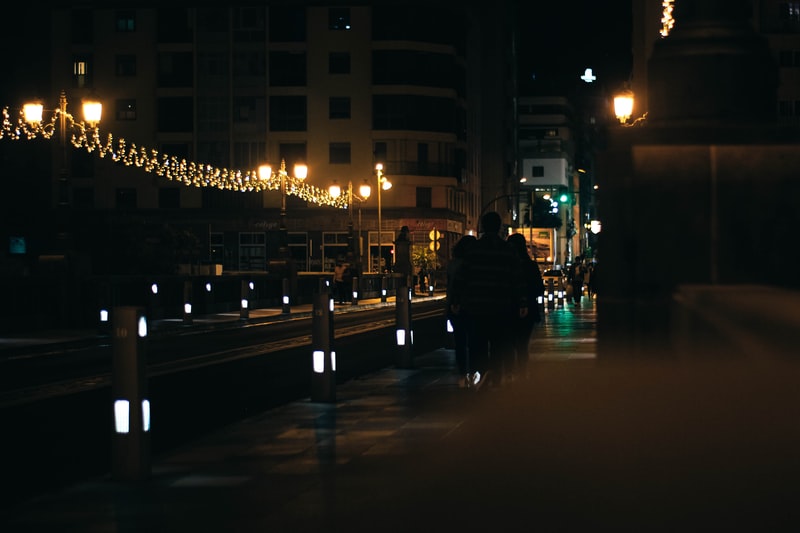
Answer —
(563, 198)
(434, 237)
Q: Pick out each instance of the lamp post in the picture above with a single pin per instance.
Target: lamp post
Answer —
(300, 173)
(364, 192)
(92, 111)
(384, 184)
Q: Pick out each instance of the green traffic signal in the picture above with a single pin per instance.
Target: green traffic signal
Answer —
(563, 198)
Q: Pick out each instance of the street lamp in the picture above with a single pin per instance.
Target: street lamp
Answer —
(364, 192)
(383, 184)
(300, 173)
(623, 106)
(33, 114)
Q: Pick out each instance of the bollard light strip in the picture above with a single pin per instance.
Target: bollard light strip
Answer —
(122, 422)
(146, 415)
(318, 361)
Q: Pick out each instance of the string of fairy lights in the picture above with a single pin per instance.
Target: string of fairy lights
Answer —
(191, 174)
(667, 20)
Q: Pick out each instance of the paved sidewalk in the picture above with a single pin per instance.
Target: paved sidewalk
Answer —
(582, 445)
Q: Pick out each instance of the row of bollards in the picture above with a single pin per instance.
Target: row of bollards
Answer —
(131, 404)
(247, 288)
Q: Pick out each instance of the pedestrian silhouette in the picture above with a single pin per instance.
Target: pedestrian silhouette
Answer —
(534, 288)
(459, 330)
(489, 293)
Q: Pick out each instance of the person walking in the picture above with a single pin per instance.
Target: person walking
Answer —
(577, 280)
(534, 288)
(456, 323)
(488, 294)
(338, 281)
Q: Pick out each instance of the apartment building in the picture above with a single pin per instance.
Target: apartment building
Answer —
(425, 90)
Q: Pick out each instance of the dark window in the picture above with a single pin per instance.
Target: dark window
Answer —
(175, 114)
(413, 112)
(380, 152)
(537, 172)
(126, 198)
(82, 25)
(786, 58)
(212, 20)
(339, 63)
(392, 24)
(339, 18)
(248, 24)
(339, 107)
(175, 69)
(287, 24)
(215, 153)
(249, 109)
(82, 70)
(287, 113)
(169, 198)
(83, 198)
(422, 153)
(126, 109)
(424, 197)
(174, 25)
(426, 69)
(179, 150)
(125, 65)
(249, 63)
(82, 164)
(287, 69)
(339, 153)
(126, 21)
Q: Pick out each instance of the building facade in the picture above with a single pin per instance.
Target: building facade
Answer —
(228, 89)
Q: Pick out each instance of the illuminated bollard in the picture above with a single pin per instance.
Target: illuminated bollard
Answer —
(244, 305)
(208, 291)
(323, 362)
(404, 334)
(188, 318)
(131, 406)
(285, 298)
(355, 291)
(430, 290)
(104, 311)
(154, 301)
(561, 294)
(551, 302)
(383, 289)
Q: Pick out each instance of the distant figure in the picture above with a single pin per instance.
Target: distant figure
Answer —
(459, 329)
(576, 279)
(523, 327)
(489, 294)
(339, 287)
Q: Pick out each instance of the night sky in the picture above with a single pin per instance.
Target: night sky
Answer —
(559, 40)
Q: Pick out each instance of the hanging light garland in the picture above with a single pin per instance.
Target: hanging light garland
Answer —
(189, 173)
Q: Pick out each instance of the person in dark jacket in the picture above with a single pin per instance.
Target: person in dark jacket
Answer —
(534, 288)
(489, 293)
(459, 330)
